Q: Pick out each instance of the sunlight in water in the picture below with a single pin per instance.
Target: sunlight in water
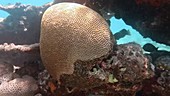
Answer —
(3, 14)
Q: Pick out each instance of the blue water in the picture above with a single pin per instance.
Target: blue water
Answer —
(31, 2)
(116, 24)
(4, 14)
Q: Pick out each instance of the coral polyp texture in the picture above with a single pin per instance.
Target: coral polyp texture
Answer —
(25, 86)
(71, 32)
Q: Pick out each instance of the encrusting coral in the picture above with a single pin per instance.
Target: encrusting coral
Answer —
(71, 32)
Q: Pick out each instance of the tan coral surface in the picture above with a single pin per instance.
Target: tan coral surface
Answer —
(25, 86)
(71, 32)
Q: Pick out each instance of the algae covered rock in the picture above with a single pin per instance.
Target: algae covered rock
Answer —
(71, 32)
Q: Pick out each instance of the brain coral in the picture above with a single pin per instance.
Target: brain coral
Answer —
(71, 32)
(25, 86)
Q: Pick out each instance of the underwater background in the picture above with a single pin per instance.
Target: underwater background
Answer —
(135, 66)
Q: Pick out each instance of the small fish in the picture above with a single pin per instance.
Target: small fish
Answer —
(106, 13)
(150, 47)
(122, 33)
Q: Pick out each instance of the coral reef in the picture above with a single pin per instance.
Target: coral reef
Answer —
(73, 32)
(128, 55)
(119, 71)
(159, 85)
(122, 71)
(149, 17)
(150, 21)
(12, 84)
(6, 72)
(19, 55)
(25, 86)
(13, 60)
(163, 71)
(22, 26)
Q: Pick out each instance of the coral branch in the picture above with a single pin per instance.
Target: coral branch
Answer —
(19, 54)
